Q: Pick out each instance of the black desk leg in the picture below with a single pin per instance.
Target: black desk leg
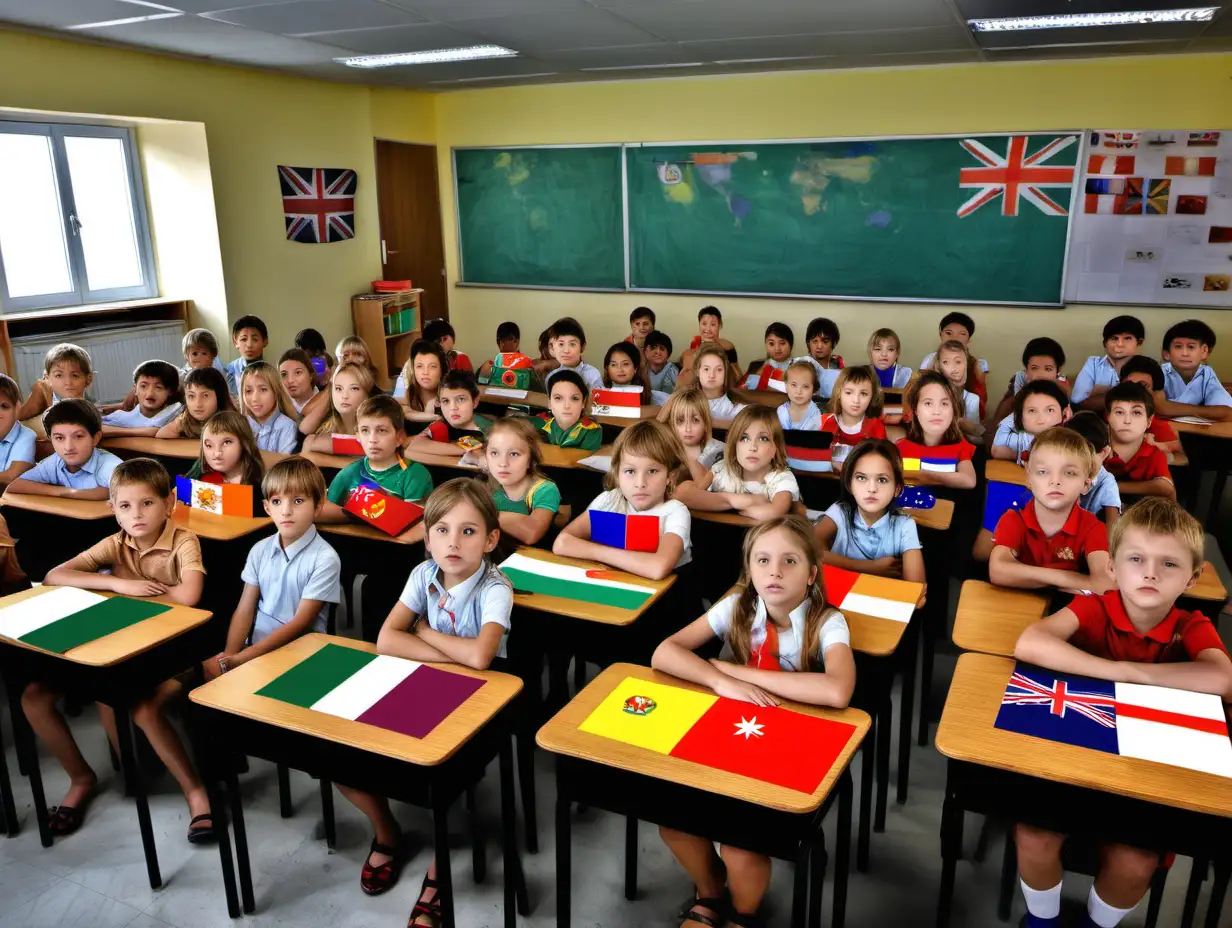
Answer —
(526, 778)
(562, 859)
(800, 891)
(479, 857)
(136, 786)
(284, 792)
(842, 852)
(1221, 482)
(1197, 875)
(515, 879)
(867, 750)
(906, 707)
(932, 615)
(630, 857)
(7, 808)
(817, 877)
(885, 728)
(241, 843)
(219, 815)
(327, 813)
(951, 851)
(1219, 888)
(440, 830)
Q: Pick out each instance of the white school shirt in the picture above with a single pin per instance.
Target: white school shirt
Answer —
(674, 517)
(588, 372)
(1097, 371)
(299, 407)
(810, 423)
(723, 408)
(1203, 390)
(1019, 440)
(931, 358)
(485, 596)
(775, 482)
(711, 452)
(833, 630)
(135, 419)
(971, 406)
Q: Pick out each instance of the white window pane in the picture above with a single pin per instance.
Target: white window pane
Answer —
(31, 233)
(98, 170)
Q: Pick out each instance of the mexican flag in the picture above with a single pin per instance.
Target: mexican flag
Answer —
(531, 575)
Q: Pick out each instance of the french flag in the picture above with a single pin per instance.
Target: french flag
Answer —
(624, 402)
(629, 532)
(809, 451)
(1001, 498)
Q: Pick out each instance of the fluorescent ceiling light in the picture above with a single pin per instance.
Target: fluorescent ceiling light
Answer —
(129, 20)
(1075, 20)
(469, 53)
(496, 77)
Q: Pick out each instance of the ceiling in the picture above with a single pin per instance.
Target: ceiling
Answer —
(580, 40)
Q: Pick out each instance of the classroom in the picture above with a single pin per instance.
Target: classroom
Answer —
(454, 535)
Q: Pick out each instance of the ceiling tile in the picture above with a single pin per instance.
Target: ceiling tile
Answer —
(213, 6)
(585, 28)
(191, 35)
(304, 17)
(882, 42)
(456, 11)
(394, 39)
(63, 13)
(623, 55)
(856, 61)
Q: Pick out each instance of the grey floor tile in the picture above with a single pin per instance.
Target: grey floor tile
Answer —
(68, 905)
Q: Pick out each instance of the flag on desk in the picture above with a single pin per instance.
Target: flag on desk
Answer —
(809, 451)
(1001, 498)
(766, 377)
(347, 445)
(533, 575)
(1153, 723)
(221, 499)
(628, 532)
(880, 597)
(623, 402)
(942, 459)
(64, 618)
(391, 515)
(511, 369)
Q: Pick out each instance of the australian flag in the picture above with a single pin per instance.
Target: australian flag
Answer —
(318, 203)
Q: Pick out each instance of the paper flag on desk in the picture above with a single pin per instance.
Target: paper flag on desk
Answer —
(221, 499)
(391, 515)
(879, 597)
(809, 451)
(627, 532)
(624, 402)
(767, 377)
(1153, 723)
(507, 394)
(939, 459)
(65, 618)
(533, 575)
(347, 444)
(1001, 498)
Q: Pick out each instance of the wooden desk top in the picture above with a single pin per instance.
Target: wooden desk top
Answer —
(85, 509)
(532, 398)
(622, 422)
(967, 733)
(1209, 587)
(1214, 430)
(412, 536)
(216, 527)
(938, 518)
(235, 693)
(127, 642)
(561, 736)
(589, 612)
(187, 449)
(771, 398)
(990, 618)
(415, 452)
(1005, 472)
(327, 461)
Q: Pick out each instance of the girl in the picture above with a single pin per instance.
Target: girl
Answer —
(776, 621)
(688, 414)
(299, 380)
(420, 380)
(883, 349)
(954, 361)
(229, 454)
(933, 432)
(348, 389)
(647, 463)
(622, 367)
(205, 393)
(525, 498)
(712, 374)
(268, 407)
(800, 412)
(353, 348)
(855, 412)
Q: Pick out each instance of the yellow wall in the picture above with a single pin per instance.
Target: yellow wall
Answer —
(1156, 93)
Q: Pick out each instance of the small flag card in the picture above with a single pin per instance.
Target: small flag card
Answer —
(809, 451)
(628, 532)
(347, 444)
(64, 617)
(391, 515)
(879, 597)
(513, 370)
(623, 402)
(1001, 498)
(221, 499)
(532, 575)
(942, 459)
(915, 498)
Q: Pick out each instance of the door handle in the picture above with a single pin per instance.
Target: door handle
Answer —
(384, 258)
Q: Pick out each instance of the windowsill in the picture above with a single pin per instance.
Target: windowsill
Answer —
(86, 309)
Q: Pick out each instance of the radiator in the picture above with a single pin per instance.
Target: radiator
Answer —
(115, 351)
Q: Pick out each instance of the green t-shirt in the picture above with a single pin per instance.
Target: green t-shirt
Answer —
(543, 494)
(405, 480)
(585, 434)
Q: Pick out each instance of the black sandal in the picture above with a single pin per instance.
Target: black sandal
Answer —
(376, 880)
(201, 835)
(746, 921)
(431, 909)
(64, 820)
(718, 906)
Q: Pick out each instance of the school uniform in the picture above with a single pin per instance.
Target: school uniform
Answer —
(586, 433)
(173, 553)
(777, 481)
(956, 452)
(277, 433)
(970, 406)
(1097, 371)
(485, 596)
(234, 371)
(1105, 630)
(458, 361)
(299, 407)
(889, 536)
(674, 518)
(135, 419)
(723, 408)
(399, 388)
(94, 473)
(894, 377)
(588, 372)
(1017, 440)
(833, 631)
(810, 423)
(307, 569)
(403, 479)
(1104, 492)
(217, 365)
(1147, 463)
(17, 447)
(930, 363)
(542, 494)
(1019, 530)
(664, 380)
(711, 453)
(1162, 430)
(1203, 389)
(844, 440)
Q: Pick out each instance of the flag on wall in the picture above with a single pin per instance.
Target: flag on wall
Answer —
(318, 203)
(221, 499)
(1018, 175)
(1110, 164)
(1189, 166)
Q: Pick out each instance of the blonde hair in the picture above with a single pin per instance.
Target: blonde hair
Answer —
(649, 438)
(714, 350)
(915, 432)
(66, 351)
(1067, 441)
(746, 419)
(955, 347)
(802, 365)
(859, 374)
(145, 472)
(334, 422)
(679, 404)
(199, 338)
(884, 335)
(461, 490)
(522, 428)
(267, 372)
(1156, 515)
(230, 422)
(295, 475)
(353, 343)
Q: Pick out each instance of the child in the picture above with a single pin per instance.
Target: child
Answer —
(149, 556)
(1123, 338)
(641, 324)
(1146, 371)
(300, 382)
(711, 374)
(709, 327)
(800, 412)
(349, 387)
(954, 361)
(883, 351)
(822, 338)
(776, 621)
(461, 430)
(229, 453)
(688, 414)
(568, 345)
(1103, 500)
(1140, 468)
(441, 332)
(958, 327)
(250, 336)
(1191, 387)
(646, 464)
(79, 469)
(268, 407)
(933, 433)
(660, 369)
(420, 380)
(565, 426)
(753, 477)
(1039, 405)
(313, 342)
(200, 349)
(525, 498)
(1047, 542)
(16, 440)
(66, 376)
(855, 412)
(1133, 633)
(622, 367)
(205, 393)
(779, 341)
(1042, 359)
(157, 385)
(508, 341)
(355, 349)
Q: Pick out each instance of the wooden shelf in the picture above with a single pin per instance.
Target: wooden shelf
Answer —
(368, 311)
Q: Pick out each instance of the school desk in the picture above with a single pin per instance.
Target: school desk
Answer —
(533, 398)
(173, 452)
(1068, 789)
(329, 463)
(51, 529)
(643, 784)
(1207, 450)
(990, 618)
(229, 720)
(117, 669)
(386, 560)
(1001, 471)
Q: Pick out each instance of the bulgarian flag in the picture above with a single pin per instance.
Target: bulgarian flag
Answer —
(531, 575)
(879, 597)
(391, 515)
(770, 744)
(943, 459)
(63, 618)
(388, 692)
(1001, 498)
(627, 532)
(221, 499)
(347, 444)
(623, 402)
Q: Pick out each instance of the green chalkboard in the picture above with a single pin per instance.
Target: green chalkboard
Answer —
(541, 217)
(982, 218)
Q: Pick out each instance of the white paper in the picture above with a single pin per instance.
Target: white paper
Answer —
(509, 394)
(1193, 420)
(599, 462)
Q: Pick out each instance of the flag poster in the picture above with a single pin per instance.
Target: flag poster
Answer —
(318, 203)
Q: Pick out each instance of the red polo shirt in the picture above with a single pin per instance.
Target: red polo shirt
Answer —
(1147, 463)
(1082, 533)
(1162, 430)
(1104, 629)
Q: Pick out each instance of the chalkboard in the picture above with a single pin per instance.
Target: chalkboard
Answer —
(982, 218)
(541, 217)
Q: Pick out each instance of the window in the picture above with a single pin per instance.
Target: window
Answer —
(73, 226)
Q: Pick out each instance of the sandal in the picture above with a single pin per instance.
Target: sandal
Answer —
(431, 909)
(204, 835)
(718, 906)
(746, 921)
(376, 880)
(63, 820)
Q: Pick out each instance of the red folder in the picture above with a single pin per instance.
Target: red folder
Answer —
(391, 515)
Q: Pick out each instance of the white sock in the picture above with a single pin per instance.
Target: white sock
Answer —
(1102, 913)
(1042, 903)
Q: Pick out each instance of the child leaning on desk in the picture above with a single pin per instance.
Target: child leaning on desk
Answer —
(79, 469)
(205, 393)
(777, 621)
(525, 497)
(688, 414)
(349, 386)
(66, 376)
(1131, 634)
(156, 385)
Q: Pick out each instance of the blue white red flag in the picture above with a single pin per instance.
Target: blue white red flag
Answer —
(318, 203)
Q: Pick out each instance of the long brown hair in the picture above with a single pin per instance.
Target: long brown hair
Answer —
(713, 349)
(953, 435)
(629, 350)
(746, 418)
(858, 374)
(212, 379)
(267, 372)
(683, 402)
(230, 422)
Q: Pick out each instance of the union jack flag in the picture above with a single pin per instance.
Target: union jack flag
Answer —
(319, 203)
(1059, 698)
(1015, 175)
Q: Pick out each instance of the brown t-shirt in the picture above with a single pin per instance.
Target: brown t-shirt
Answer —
(176, 550)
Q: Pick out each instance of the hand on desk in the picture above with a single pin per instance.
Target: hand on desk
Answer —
(891, 567)
(138, 587)
(732, 687)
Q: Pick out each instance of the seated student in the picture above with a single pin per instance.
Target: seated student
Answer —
(779, 341)
(955, 362)
(312, 343)
(547, 357)
(354, 350)
(1140, 468)
(661, 371)
(525, 496)
(821, 338)
(753, 477)
(622, 367)
(269, 408)
(1134, 633)
(461, 430)
(16, 440)
(79, 469)
(441, 332)
(688, 414)
(1123, 338)
(647, 464)
(709, 327)
(66, 376)
(800, 412)
(420, 380)
(157, 385)
(1039, 406)
(1191, 386)
(566, 426)
(1050, 540)
(200, 349)
(1146, 371)
(349, 387)
(855, 412)
(959, 327)
(883, 351)
(568, 346)
(508, 341)
(229, 453)
(300, 382)
(1104, 498)
(149, 556)
(641, 324)
(205, 393)
(1042, 359)
(933, 434)
(250, 338)
(380, 431)
(711, 373)
(777, 620)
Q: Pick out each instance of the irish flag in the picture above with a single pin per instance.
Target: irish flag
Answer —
(879, 597)
(346, 444)
(64, 617)
(627, 532)
(391, 693)
(771, 744)
(531, 575)
(623, 402)
(221, 499)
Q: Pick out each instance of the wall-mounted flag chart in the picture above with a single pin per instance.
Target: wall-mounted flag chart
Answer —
(391, 515)
(1153, 723)
(221, 499)
(65, 618)
(565, 582)
(627, 532)
(623, 402)
(1001, 498)
(346, 444)
(880, 597)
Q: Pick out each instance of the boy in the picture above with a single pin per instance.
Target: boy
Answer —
(149, 556)
(821, 337)
(157, 386)
(779, 340)
(200, 349)
(16, 441)
(1123, 337)
(1146, 371)
(1140, 468)
(508, 341)
(441, 332)
(66, 375)
(709, 327)
(249, 336)
(1104, 497)
(79, 469)
(460, 430)
(380, 429)
(566, 427)
(1134, 634)
(661, 371)
(1039, 406)
(1043, 544)
(955, 327)
(641, 324)
(1190, 385)
(568, 345)
(1042, 359)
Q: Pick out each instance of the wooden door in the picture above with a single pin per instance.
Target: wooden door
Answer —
(410, 210)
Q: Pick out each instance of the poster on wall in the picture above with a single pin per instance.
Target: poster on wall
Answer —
(1154, 224)
(318, 203)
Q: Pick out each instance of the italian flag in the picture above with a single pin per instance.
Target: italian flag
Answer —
(59, 619)
(531, 575)
(625, 402)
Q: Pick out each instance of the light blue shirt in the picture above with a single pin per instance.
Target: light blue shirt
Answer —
(399, 388)
(94, 473)
(135, 419)
(665, 380)
(235, 370)
(971, 406)
(485, 596)
(1103, 492)
(1203, 390)
(1017, 439)
(279, 433)
(810, 423)
(589, 373)
(217, 365)
(308, 569)
(17, 447)
(658, 397)
(1096, 372)
(889, 536)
